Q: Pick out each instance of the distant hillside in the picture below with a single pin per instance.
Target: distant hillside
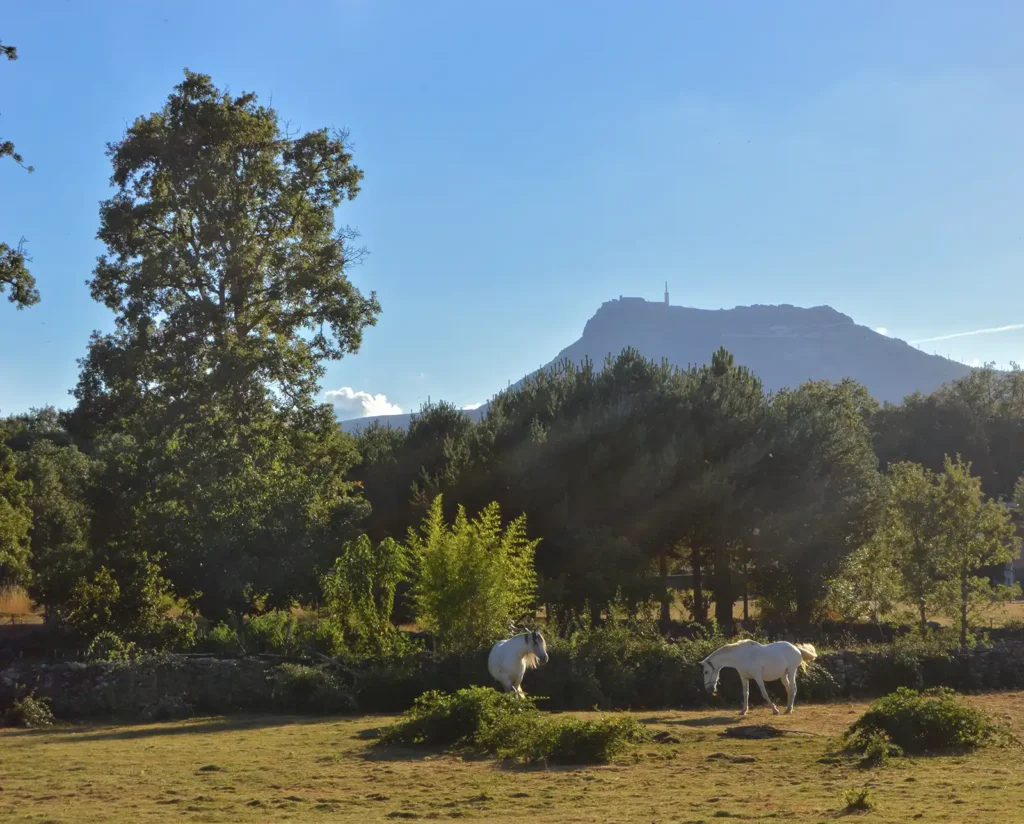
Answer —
(783, 345)
(399, 421)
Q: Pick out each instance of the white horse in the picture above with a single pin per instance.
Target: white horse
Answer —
(762, 662)
(510, 658)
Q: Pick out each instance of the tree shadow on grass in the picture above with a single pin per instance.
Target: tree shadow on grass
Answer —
(700, 721)
(192, 726)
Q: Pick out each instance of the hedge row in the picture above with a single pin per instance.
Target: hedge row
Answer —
(606, 669)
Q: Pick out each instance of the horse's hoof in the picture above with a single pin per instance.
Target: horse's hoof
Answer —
(742, 713)
(775, 710)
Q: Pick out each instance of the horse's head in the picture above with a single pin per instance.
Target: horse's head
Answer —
(538, 646)
(711, 674)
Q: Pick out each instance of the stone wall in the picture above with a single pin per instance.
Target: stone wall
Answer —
(179, 686)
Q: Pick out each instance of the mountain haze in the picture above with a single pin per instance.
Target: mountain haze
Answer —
(783, 345)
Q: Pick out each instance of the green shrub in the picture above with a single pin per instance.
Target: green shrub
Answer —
(878, 748)
(857, 800)
(29, 712)
(314, 690)
(473, 577)
(485, 720)
(325, 635)
(575, 741)
(461, 719)
(108, 646)
(269, 632)
(221, 640)
(932, 721)
(359, 594)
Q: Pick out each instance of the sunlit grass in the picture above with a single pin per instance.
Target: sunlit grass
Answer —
(273, 769)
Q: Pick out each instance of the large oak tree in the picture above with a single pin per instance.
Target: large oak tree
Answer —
(228, 277)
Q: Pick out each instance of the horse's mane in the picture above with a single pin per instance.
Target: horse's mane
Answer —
(743, 642)
(530, 659)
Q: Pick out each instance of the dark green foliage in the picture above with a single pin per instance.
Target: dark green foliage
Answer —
(133, 600)
(894, 668)
(310, 690)
(575, 741)
(460, 719)
(14, 275)
(980, 417)
(619, 666)
(227, 276)
(933, 721)
(482, 719)
(877, 749)
(29, 711)
(820, 495)
(15, 522)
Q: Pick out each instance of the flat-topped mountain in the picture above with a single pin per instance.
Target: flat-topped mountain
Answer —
(783, 345)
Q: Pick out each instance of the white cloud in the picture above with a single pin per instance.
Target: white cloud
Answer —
(472, 406)
(348, 403)
(882, 330)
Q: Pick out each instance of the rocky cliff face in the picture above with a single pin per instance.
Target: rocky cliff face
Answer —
(783, 345)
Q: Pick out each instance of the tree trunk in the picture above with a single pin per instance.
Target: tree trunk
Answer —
(725, 595)
(804, 610)
(965, 593)
(700, 610)
(666, 601)
(746, 601)
(924, 619)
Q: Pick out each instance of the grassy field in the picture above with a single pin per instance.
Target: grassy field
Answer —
(277, 769)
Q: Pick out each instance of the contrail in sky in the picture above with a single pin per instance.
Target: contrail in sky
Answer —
(1012, 327)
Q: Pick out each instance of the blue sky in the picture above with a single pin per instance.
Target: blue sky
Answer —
(525, 162)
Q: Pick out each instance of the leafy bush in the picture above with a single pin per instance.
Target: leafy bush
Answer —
(359, 593)
(29, 712)
(108, 646)
(221, 640)
(878, 748)
(133, 599)
(575, 741)
(621, 665)
(474, 578)
(482, 719)
(462, 719)
(268, 632)
(916, 722)
(857, 800)
(301, 689)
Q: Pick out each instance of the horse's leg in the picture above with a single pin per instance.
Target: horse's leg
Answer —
(790, 682)
(746, 694)
(764, 694)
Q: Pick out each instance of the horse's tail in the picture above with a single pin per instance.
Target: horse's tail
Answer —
(807, 654)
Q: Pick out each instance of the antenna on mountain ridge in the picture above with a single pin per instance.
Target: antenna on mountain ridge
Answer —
(666, 293)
